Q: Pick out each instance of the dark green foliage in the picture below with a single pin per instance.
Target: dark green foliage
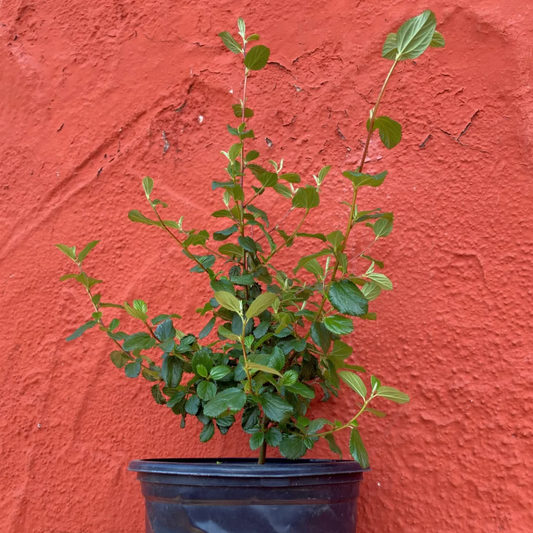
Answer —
(272, 341)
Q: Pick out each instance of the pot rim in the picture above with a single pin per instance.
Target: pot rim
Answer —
(231, 467)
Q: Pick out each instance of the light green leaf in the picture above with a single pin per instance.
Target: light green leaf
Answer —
(354, 381)
(339, 325)
(291, 178)
(257, 57)
(263, 368)
(69, 251)
(230, 42)
(314, 267)
(437, 41)
(390, 47)
(361, 180)
(306, 198)
(136, 216)
(148, 186)
(260, 304)
(83, 254)
(415, 35)
(358, 450)
(371, 291)
(393, 394)
(380, 279)
(227, 300)
(383, 226)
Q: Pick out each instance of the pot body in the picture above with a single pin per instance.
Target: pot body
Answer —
(240, 496)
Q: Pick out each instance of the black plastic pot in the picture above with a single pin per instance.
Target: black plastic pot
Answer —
(240, 496)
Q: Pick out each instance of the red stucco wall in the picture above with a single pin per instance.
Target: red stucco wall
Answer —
(87, 88)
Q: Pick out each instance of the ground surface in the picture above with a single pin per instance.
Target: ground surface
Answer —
(95, 95)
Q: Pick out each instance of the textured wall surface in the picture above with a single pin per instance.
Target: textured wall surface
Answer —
(87, 90)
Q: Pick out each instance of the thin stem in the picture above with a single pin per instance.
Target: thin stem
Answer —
(373, 114)
(350, 423)
(243, 345)
(263, 450)
(165, 227)
(291, 237)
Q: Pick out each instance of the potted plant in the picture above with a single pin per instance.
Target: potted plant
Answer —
(273, 342)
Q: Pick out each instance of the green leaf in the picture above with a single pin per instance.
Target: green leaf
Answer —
(275, 407)
(136, 216)
(301, 390)
(222, 235)
(277, 358)
(321, 336)
(158, 395)
(375, 383)
(361, 180)
(383, 226)
(291, 178)
(138, 341)
(120, 358)
(83, 254)
(175, 399)
(248, 244)
(248, 113)
(319, 236)
(292, 447)
(225, 332)
(339, 325)
(333, 446)
(263, 368)
(257, 57)
(260, 304)
(148, 186)
(314, 267)
(347, 299)
(69, 251)
(206, 390)
(207, 329)
(165, 330)
(306, 198)
(335, 238)
(231, 249)
(354, 382)
(207, 432)
(381, 280)
(283, 190)
(227, 300)
(242, 27)
(171, 371)
(231, 400)
(390, 47)
(390, 131)
(273, 437)
(437, 41)
(133, 370)
(81, 330)
(230, 42)
(393, 394)
(219, 372)
(251, 155)
(323, 173)
(304, 260)
(358, 450)
(415, 35)
(192, 405)
(256, 440)
(371, 291)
